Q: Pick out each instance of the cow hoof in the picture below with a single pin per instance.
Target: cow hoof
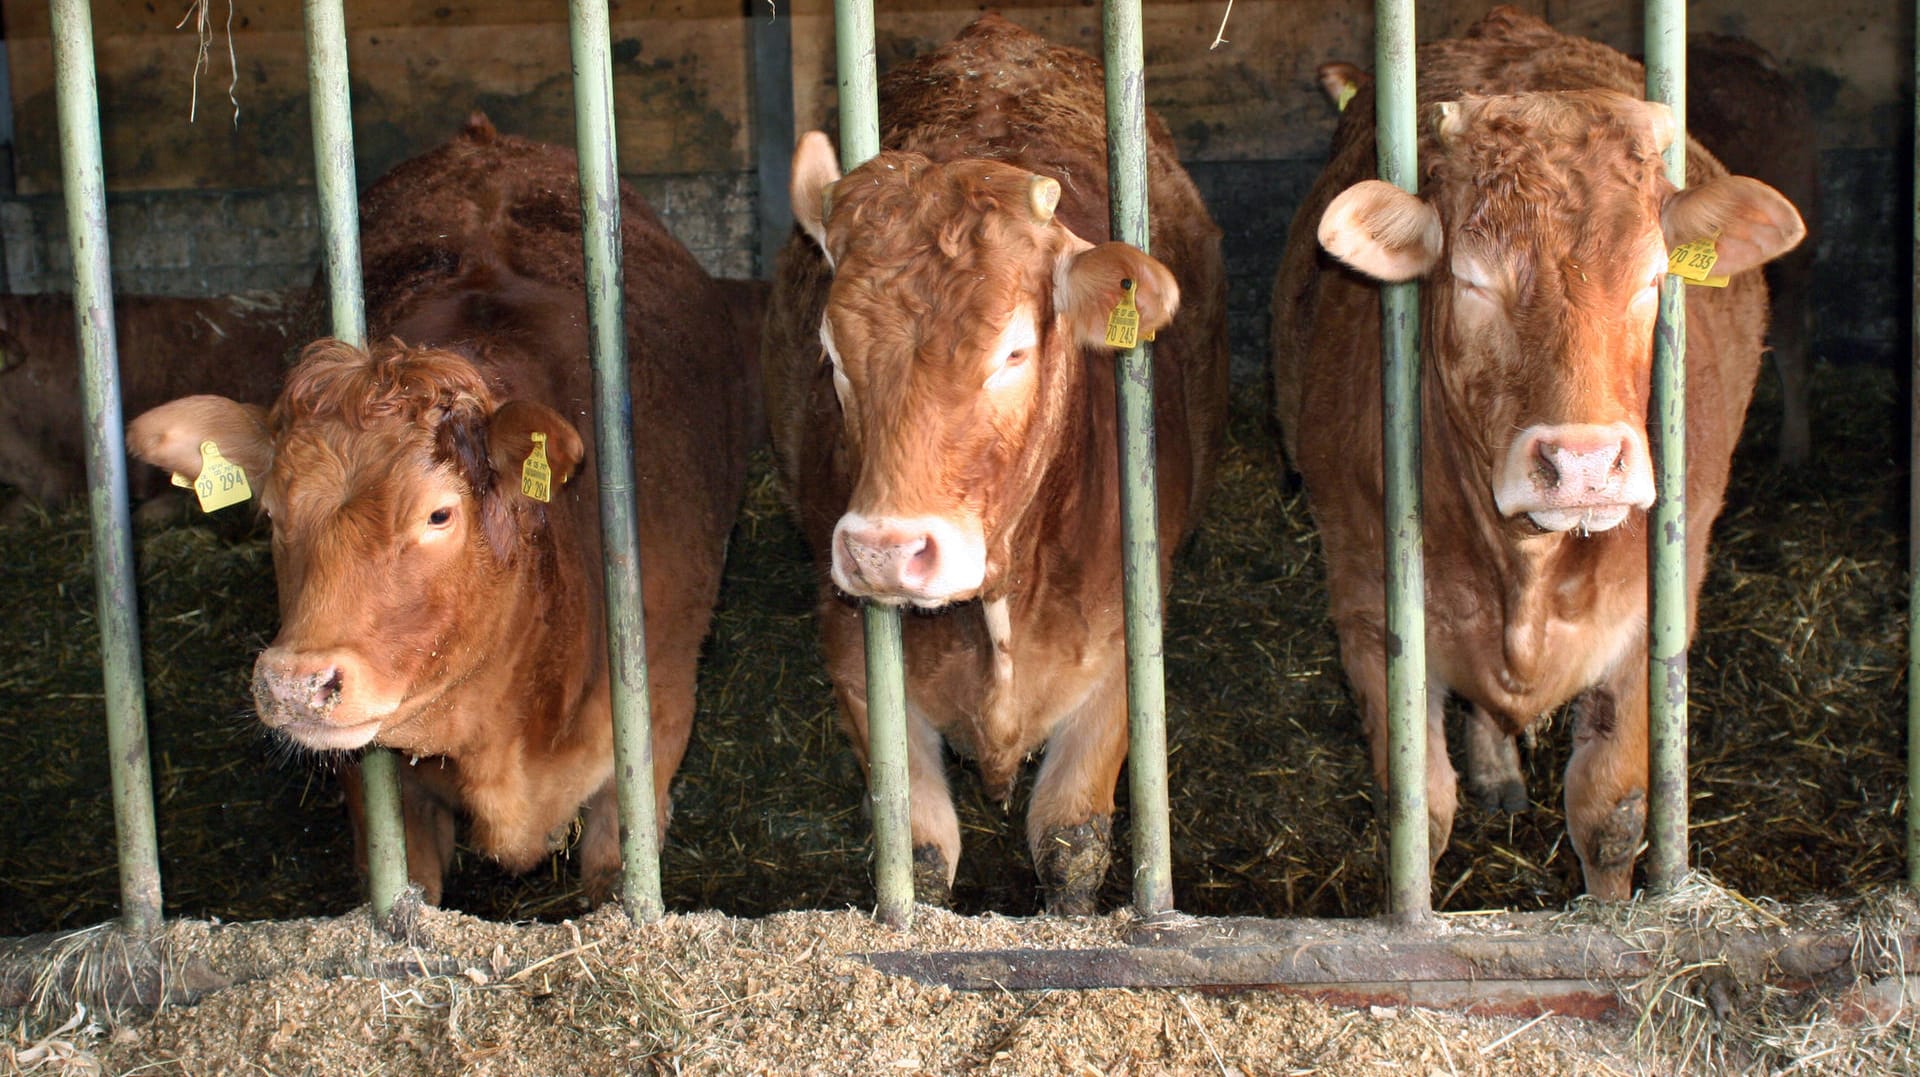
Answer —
(930, 877)
(1508, 796)
(597, 886)
(1618, 837)
(1072, 862)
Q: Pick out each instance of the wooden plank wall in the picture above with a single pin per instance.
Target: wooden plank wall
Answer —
(681, 75)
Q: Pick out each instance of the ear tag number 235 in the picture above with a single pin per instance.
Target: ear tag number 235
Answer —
(221, 482)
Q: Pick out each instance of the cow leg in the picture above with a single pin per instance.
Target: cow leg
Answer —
(1366, 665)
(1792, 362)
(1493, 765)
(1070, 820)
(600, 844)
(426, 820)
(1607, 779)
(932, 820)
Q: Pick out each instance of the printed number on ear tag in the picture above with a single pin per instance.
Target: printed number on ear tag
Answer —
(221, 483)
(536, 478)
(1693, 263)
(1123, 324)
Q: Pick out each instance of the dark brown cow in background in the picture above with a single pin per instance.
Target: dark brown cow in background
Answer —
(1745, 108)
(428, 604)
(943, 410)
(233, 345)
(1540, 236)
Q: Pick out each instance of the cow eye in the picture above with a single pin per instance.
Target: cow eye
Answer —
(1016, 357)
(441, 517)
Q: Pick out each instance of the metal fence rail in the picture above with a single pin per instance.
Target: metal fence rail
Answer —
(83, 181)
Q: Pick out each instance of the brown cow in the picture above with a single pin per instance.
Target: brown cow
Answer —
(942, 405)
(233, 345)
(427, 603)
(1540, 237)
(1749, 112)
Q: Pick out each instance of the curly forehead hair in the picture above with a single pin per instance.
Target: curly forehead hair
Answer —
(1539, 159)
(392, 383)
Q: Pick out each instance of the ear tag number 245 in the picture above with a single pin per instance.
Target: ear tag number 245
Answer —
(1123, 323)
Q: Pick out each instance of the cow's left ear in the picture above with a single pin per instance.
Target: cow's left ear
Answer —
(510, 438)
(1750, 222)
(1092, 282)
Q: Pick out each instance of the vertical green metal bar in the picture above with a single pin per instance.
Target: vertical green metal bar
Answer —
(1666, 47)
(613, 433)
(82, 177)
(887, 777)
(1409, 865)
(338, 189)
(1913, 522)
(1139, 492)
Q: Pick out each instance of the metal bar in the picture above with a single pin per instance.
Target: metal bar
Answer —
(82, 177)
(773, 132)
(1913, 530)
(1139, 492)
(887, 775)
(613, 434)
(1667, 530)
(1410, 867)
(334, 179)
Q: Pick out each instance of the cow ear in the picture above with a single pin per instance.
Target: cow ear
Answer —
(1092, 282)
(169, 436)
(510, 440)
(816, 168)
(1750, 223)
(1382, 231)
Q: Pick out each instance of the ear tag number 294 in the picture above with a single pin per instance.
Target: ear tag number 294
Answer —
(221, 483)
(536, 477)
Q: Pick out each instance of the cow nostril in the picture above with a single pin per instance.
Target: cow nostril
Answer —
(1544, 471)
(921, 558)
(326, 688)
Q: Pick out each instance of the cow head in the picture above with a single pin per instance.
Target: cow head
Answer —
(1543, 243)
(955, 326)
(392, 482)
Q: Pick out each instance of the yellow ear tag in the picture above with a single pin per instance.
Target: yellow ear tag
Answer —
(1693, 263)
(1123, 325)
(1347, 90)
(221, 483)
(536, 478)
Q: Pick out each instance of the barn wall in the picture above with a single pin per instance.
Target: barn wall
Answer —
(210, 205)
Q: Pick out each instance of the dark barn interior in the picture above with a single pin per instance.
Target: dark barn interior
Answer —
(1798, 694)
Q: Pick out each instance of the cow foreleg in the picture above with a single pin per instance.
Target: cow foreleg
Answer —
(426, 818)
(1607, 780)
(1493, 765)
(1366, 664)
(1070, 820)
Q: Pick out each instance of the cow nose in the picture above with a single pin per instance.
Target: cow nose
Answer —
(1581, 461)
(890, 561)
(288, 688)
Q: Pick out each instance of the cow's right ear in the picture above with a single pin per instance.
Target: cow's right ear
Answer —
(816, 168)
(1382, 231)
(510, 440)
(169, 436)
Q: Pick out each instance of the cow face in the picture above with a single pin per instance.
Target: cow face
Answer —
(1543, 244)
(392, 483)
(954, 328)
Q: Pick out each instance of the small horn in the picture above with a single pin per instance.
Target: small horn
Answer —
(1043, 195)
(1447, 121)
(1660, 118)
